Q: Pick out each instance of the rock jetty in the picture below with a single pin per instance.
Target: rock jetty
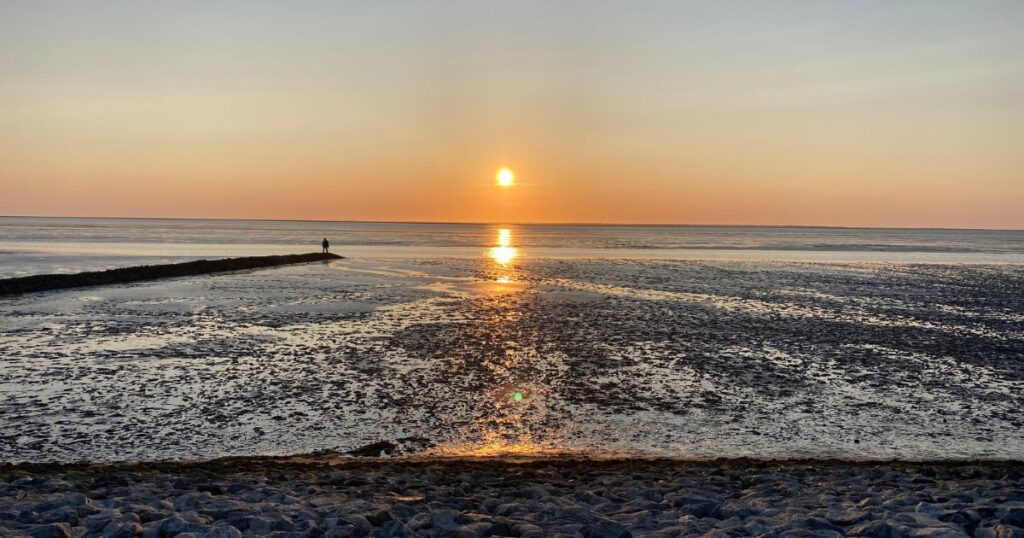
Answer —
(34, 283)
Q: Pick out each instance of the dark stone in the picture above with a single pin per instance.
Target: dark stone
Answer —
(1011, 516)
(52, 530)
(379, 517)
(373, 450)
(500, 529)
(605, 529)
(875, 529)
(846, 518)
(212, 489)
(393, 528)
(962, 519)
(224, 531)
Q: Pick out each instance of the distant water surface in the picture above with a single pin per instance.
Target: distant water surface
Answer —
(32, 245)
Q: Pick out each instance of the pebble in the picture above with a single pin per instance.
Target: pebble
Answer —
(554, 497)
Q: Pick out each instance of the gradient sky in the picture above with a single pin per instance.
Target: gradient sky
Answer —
(849, 113)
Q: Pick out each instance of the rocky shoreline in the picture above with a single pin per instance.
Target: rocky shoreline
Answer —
(286, 497)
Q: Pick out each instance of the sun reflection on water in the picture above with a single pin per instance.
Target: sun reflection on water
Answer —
(512, 416)
(504, 253)
(511, 425)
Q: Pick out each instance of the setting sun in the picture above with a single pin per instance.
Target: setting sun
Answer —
(506, 178)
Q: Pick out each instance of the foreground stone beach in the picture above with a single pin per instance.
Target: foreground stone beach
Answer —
(547, 497)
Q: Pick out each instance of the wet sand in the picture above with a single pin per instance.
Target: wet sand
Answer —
(607, 357)
(496, 497)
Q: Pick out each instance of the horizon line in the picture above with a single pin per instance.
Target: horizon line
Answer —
(521, 223)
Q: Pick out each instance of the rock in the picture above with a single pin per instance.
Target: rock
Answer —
(930, 509)
(635, 520)
(192, 501)
(474, 530)
(175, 525)
(444, 518)
(51, 530)
(845, 518)
(500, 529)
(62, 514)
(305, 526)
(1011, 515)
(378, 518)
(151, 529)
(696, 505)
(875, 529)
(284, 499)
(604, 529)
(73, 500)
(419, 521)
(223, 531)
(937, 532)
(815, 524)
(129, 529)
(97, 522)
(738, 509)
(962, 519)
(373, 450)
(341, 532)
(999, 531)
(212, 489)
(701, 509)
(569, 529)
(393, 528)
(511, 509)
(362, 526)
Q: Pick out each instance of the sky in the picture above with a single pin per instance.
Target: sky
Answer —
(853, 113)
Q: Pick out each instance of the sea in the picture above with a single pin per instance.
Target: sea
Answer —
(39, 245)
(515, 340)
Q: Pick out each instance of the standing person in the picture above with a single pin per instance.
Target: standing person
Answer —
(326, 244)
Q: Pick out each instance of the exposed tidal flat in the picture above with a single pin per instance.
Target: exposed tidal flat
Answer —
(469, 357)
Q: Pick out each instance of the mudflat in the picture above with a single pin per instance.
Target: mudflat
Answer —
(607, 357)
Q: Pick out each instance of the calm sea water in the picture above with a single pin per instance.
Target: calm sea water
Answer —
(31, 245)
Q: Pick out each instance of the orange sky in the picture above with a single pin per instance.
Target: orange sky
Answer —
(777, 113)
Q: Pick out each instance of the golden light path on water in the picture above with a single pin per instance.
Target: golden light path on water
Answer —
(504, 253)
(505, 423)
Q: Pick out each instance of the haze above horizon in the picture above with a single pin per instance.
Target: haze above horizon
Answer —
(774, 113)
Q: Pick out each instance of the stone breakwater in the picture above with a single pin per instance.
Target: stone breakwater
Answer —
(34, 283)
(286, 498)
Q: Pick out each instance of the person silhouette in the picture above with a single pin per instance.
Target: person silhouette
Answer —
(326, 244)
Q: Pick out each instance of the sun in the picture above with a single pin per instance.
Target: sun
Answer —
(505, 178)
